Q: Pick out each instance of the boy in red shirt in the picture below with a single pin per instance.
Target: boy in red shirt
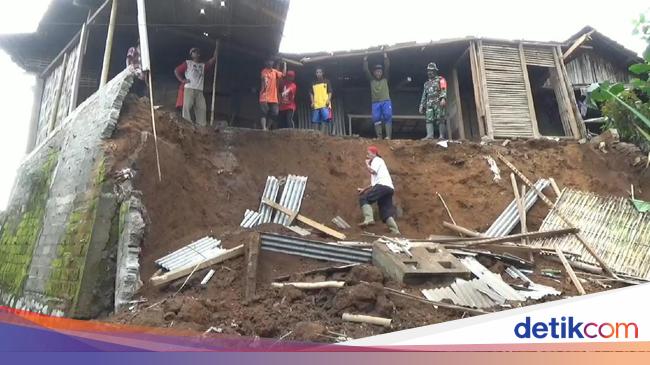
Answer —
(191, 75)
(288, 100)
(269, 92)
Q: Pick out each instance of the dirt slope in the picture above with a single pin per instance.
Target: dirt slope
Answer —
(210, 179)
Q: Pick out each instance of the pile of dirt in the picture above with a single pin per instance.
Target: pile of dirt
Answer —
(209, 178)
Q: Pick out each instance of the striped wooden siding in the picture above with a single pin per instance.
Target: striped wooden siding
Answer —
(506, 89)
(539, 56)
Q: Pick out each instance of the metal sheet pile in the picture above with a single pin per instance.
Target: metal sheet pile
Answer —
(291, 198)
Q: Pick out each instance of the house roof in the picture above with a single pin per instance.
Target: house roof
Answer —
(606, 45)
(254, 25)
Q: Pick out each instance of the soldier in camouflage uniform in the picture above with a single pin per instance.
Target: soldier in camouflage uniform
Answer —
(434, 102)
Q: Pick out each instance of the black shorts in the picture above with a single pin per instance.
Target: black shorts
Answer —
(383, 196)
(286, 118)
(269, 110)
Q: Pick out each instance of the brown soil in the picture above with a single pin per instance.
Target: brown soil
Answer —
(210, 178)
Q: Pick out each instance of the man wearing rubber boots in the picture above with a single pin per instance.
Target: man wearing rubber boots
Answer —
(381, 191)
(434, 102)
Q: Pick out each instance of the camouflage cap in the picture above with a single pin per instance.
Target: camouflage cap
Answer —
(432, 66)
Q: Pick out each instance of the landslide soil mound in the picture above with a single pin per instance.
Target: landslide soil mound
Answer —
(209, 178)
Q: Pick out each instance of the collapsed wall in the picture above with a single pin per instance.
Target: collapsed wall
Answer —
(59, 236)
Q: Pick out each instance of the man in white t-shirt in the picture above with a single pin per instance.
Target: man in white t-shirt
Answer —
(191, 74)
(381, 191)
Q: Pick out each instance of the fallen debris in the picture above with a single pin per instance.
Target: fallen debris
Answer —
(433, 302)
(312, 223)
(207, 277)
(366, 319)
(494, 168)
(325, 270)
(516, 237)
(444, 204)
(340, 222)
(252, 258)
(570, 271)
(313, 249)
(319, 285)
(192, 254)
(299, 230)
(507, 221)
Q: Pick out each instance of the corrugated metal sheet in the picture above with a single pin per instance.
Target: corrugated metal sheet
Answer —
(270, 192)
(493, 280)
(314, 249)
(509, 219)
(619, 234)
(535, 291)
(251, 219)
(294, 189)
(192, 254)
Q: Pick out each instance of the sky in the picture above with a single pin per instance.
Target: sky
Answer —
(342, 25)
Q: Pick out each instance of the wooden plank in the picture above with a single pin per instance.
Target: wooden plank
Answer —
(556, 189)
(569, 270)
(577, 124)
(252, 259)
(173, 275)
(567, 96)
(484, 91)
(312, 223)
(463, 230)
(520, 206)
(456, 91)
(214, 83)
(548, 202)
(576, 45)
(529, 94)
(480, 113)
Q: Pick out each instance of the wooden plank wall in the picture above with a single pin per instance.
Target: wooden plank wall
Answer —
(505, 82)
(589, 68)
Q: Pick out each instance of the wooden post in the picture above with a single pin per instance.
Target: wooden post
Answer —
(252, 258)
(214, 83)
(81, 52)
(57, 95)
(569, 270)
(456, 91)
(567, 94)
(520, 206)
(484, 92)
(153, 126)
(529, 93)
(448, 211)
(480, 113)
(109, 44)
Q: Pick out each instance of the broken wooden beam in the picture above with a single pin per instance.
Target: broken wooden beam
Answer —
(520, 206)
(444, 204)
(252, 258)
(325, 270)
(317, 285)
(556, 188)
(519, 236)
(176, 274)
(379, 321)
(301, 218)
(548, 202)
(570, 271)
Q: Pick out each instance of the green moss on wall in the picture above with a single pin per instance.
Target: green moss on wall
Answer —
(23, 226)
(68, 267)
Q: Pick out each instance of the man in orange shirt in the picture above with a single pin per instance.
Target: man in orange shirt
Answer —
(269, 92)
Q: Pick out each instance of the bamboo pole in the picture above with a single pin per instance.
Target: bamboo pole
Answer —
(153, 125)
(512, 237)
(214, 83)
(520, 206)
(570, 271)
(366, 319)
(448, 211)
(109, 44)
(463, 230)
(319, 285)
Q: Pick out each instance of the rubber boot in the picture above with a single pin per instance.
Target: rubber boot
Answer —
(389, 131)
(368, 219)
(378, 131)
(263, 124)
(392, 225)
(430, 130)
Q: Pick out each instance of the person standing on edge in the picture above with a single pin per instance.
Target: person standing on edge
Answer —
(381, 190)
(191, 74)
(321, 99)
(288, 100)
(270, 78)
(134, 63)
(434, 102)
(382, 108)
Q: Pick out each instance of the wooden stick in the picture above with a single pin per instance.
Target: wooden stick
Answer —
(252, 258)
(427, 301)
(325, 270)
(548, 202)
(214, 83)
(301, 218)
(514, 237)
(318, 285)
(524, 224)
(463, 230)
(570, 271)
(520, 206)
(153, 125)
(448, 212)
(173, 275)
(556, 188)
(109, 44)
(366, 319)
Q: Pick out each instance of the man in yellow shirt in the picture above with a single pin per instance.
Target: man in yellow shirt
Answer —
(321, 101)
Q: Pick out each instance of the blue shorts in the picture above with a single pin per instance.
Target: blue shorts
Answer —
(382, 111)
(321, 115)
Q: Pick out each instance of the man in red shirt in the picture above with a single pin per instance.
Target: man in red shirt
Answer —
(191, 74)
(269, 92)
(288, 100)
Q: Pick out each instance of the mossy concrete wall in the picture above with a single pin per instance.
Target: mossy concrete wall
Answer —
(60, 232)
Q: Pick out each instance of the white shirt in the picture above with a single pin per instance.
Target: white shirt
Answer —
(381, 175)
(195, 73)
